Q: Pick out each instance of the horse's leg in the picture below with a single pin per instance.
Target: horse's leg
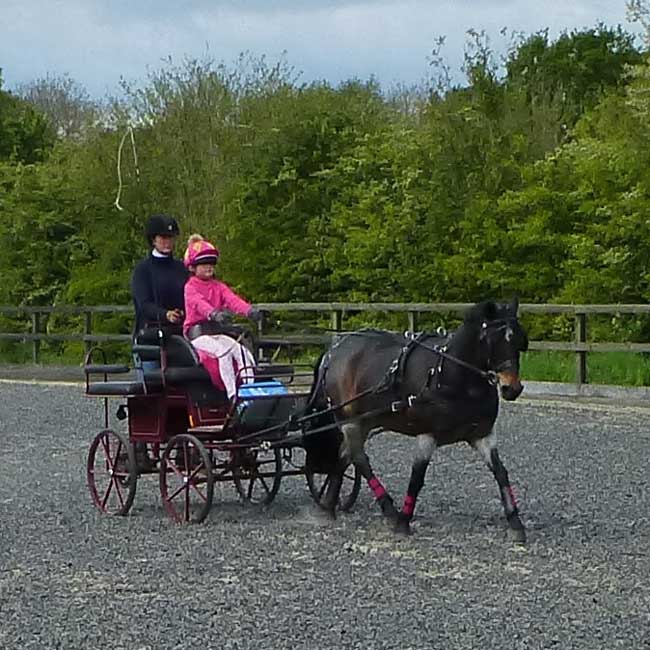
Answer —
(487, 448)
(334, 481)
(362, 462)
(353, 451)
(425, 446)
(352, 438)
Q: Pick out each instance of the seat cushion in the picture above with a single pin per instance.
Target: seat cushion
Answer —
(184, 375)
(108, 369)
(110, 388)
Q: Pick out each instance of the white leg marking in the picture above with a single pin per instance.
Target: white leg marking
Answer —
(425, 447)
(484, 447)
(354, 439)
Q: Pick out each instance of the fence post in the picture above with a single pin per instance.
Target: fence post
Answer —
(581, 356)
(337, 318)
(259, 350)
(88, 329)
(413, 320)
(36, 344)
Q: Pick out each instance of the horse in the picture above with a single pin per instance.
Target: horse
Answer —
(436, 388)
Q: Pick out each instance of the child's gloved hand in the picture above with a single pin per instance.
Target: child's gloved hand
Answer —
(221, 317)
(255, 315)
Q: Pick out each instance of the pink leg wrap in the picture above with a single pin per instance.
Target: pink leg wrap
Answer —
(409, 505)
(511, 494)
(376, 487)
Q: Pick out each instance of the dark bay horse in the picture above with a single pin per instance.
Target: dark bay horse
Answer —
(437, 390)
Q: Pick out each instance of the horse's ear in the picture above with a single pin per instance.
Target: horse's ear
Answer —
(489, 311)
(482, 311)
(514, 305)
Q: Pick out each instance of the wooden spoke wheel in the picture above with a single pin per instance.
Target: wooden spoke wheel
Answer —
(186, 480)
(350, 487)
(257, 474)
(111, 472)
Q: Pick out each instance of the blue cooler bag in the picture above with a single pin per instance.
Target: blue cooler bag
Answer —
(263, 388)
(262, 405)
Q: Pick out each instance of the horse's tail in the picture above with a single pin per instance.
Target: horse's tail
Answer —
(316, 391)
(322, 447)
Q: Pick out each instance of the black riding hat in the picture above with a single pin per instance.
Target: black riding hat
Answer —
(161, 224)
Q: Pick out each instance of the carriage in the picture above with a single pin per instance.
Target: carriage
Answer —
(188, 434)
(439, 389)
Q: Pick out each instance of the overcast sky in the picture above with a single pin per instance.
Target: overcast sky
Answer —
(98, 41)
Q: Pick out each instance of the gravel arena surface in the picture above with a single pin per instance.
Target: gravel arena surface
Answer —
(253, 578)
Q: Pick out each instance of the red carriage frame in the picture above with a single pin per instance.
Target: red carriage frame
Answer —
(185, 431)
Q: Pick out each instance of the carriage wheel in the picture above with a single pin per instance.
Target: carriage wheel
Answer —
(186, 480)
(350, 487)
(257, 474)
(111, 472)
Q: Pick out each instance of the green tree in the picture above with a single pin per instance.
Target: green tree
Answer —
(25, 134)
(64, 101)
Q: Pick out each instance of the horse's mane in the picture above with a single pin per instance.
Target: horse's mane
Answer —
(486, 310)
(388, 338)
(478, 313)
(371, 331)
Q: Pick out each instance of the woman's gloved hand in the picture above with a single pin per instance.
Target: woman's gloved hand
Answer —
(221, 317)
(175, 316)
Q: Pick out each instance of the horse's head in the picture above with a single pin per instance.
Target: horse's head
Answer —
(502, 339)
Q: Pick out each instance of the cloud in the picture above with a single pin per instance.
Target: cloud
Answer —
(96, 42)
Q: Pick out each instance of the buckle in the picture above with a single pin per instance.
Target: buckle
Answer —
(399, 405)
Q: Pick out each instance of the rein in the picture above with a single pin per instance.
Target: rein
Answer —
(489, 375)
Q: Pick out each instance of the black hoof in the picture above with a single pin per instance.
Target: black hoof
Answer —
(389, 510)
(402, 525)
(517, 535)
(327, 513)
(402, 528)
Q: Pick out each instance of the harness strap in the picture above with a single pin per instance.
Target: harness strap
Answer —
(488, 375)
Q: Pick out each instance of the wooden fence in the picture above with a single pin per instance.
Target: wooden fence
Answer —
(337, 311)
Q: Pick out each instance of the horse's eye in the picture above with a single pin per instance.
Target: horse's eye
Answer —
(509, 334)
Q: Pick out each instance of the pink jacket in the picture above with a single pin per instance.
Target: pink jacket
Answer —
(204, 296)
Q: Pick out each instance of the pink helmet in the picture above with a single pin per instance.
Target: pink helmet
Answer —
(200, 252)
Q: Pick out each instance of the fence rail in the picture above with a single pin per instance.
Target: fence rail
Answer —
(580, 346)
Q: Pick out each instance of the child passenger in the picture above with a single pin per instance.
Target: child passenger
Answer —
(207, 299)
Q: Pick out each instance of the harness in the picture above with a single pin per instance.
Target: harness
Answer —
(393, 379)
(395, 373)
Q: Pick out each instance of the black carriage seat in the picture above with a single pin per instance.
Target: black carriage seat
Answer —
(183, 363)
(146, 346)
(123, 388)
(111, 388)
(184, 369)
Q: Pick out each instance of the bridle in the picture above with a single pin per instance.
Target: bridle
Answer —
(487, 327)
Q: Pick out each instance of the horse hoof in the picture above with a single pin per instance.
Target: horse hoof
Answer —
(402, 528)
(320, 519)
(325, 514)
(517, 535)
(389, 510)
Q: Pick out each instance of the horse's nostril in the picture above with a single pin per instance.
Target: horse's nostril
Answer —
(510, 393)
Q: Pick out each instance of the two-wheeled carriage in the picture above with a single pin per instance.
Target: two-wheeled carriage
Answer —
(190, 435)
